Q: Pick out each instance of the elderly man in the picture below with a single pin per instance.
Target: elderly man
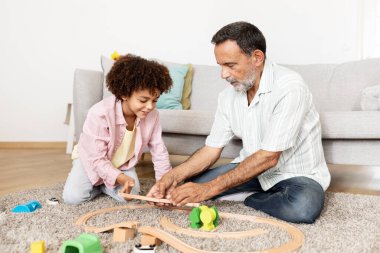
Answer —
(281, 163)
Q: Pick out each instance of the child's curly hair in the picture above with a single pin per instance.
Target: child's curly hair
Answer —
(131, 73)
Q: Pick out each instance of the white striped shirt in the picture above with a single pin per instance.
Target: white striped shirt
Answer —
(281, 117)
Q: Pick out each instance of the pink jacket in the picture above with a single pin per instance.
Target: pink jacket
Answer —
(103, 132)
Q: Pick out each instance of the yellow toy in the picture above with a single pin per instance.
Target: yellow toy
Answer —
(37, 247)
(115, 55)
(208, 217)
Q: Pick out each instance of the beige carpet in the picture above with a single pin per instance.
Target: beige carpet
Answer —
(349, 223)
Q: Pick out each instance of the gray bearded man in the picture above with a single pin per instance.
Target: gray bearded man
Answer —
(281, 168)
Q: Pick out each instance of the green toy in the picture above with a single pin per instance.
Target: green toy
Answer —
(195, 218)
(216, 216)
(85, 243)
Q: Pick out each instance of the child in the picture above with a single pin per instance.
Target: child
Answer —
(116, 131)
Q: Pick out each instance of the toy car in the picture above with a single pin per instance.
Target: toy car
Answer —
(144, 248)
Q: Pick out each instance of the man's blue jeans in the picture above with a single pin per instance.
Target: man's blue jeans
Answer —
(298, 199)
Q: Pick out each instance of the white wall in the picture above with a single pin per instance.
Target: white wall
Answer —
(371, 28)
(43, 41)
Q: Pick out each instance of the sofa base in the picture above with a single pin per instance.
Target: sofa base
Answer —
(350, 151)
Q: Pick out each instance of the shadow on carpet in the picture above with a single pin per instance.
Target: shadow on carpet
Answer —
(349, 223)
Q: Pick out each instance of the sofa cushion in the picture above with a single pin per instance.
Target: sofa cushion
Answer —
(207, 84)
(335, 125)
(350, 125)
(338, 87)
(327, 82)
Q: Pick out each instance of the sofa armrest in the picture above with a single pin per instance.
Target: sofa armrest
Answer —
(88, 90)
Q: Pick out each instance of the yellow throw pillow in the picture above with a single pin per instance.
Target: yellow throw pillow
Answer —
(185, 101)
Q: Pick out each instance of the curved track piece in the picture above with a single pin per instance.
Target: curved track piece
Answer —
(170, 239)
(297, 237)
(166, 223)
(125, 224)
(83, 219)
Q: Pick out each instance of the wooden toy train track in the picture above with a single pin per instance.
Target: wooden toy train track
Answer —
(296, 241)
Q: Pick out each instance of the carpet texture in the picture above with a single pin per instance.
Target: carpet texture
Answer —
(349, 223)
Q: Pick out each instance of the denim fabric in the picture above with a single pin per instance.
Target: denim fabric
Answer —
(298, 199)
(78, 188)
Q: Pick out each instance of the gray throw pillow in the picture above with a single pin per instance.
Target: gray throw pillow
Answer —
(370, 100)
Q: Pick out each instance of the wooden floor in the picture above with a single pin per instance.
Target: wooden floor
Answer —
(30, 168)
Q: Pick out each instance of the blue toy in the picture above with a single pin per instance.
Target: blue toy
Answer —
(29, 207)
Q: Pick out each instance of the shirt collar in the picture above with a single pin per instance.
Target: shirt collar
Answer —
(266, 80)
(120, 120)
(119, 113)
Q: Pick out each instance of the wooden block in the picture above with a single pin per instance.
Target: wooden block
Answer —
(150, 240)
(123, 234)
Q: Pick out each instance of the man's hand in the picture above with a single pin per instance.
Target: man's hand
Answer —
(191, 193)
(162, 188)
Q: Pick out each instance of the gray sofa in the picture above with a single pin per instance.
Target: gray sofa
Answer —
(349, 134)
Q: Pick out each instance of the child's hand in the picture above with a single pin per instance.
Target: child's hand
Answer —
(128, 185)
(127, 182)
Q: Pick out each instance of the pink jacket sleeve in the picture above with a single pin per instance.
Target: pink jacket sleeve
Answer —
(93, 148)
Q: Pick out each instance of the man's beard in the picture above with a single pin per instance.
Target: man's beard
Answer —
(244, 85)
